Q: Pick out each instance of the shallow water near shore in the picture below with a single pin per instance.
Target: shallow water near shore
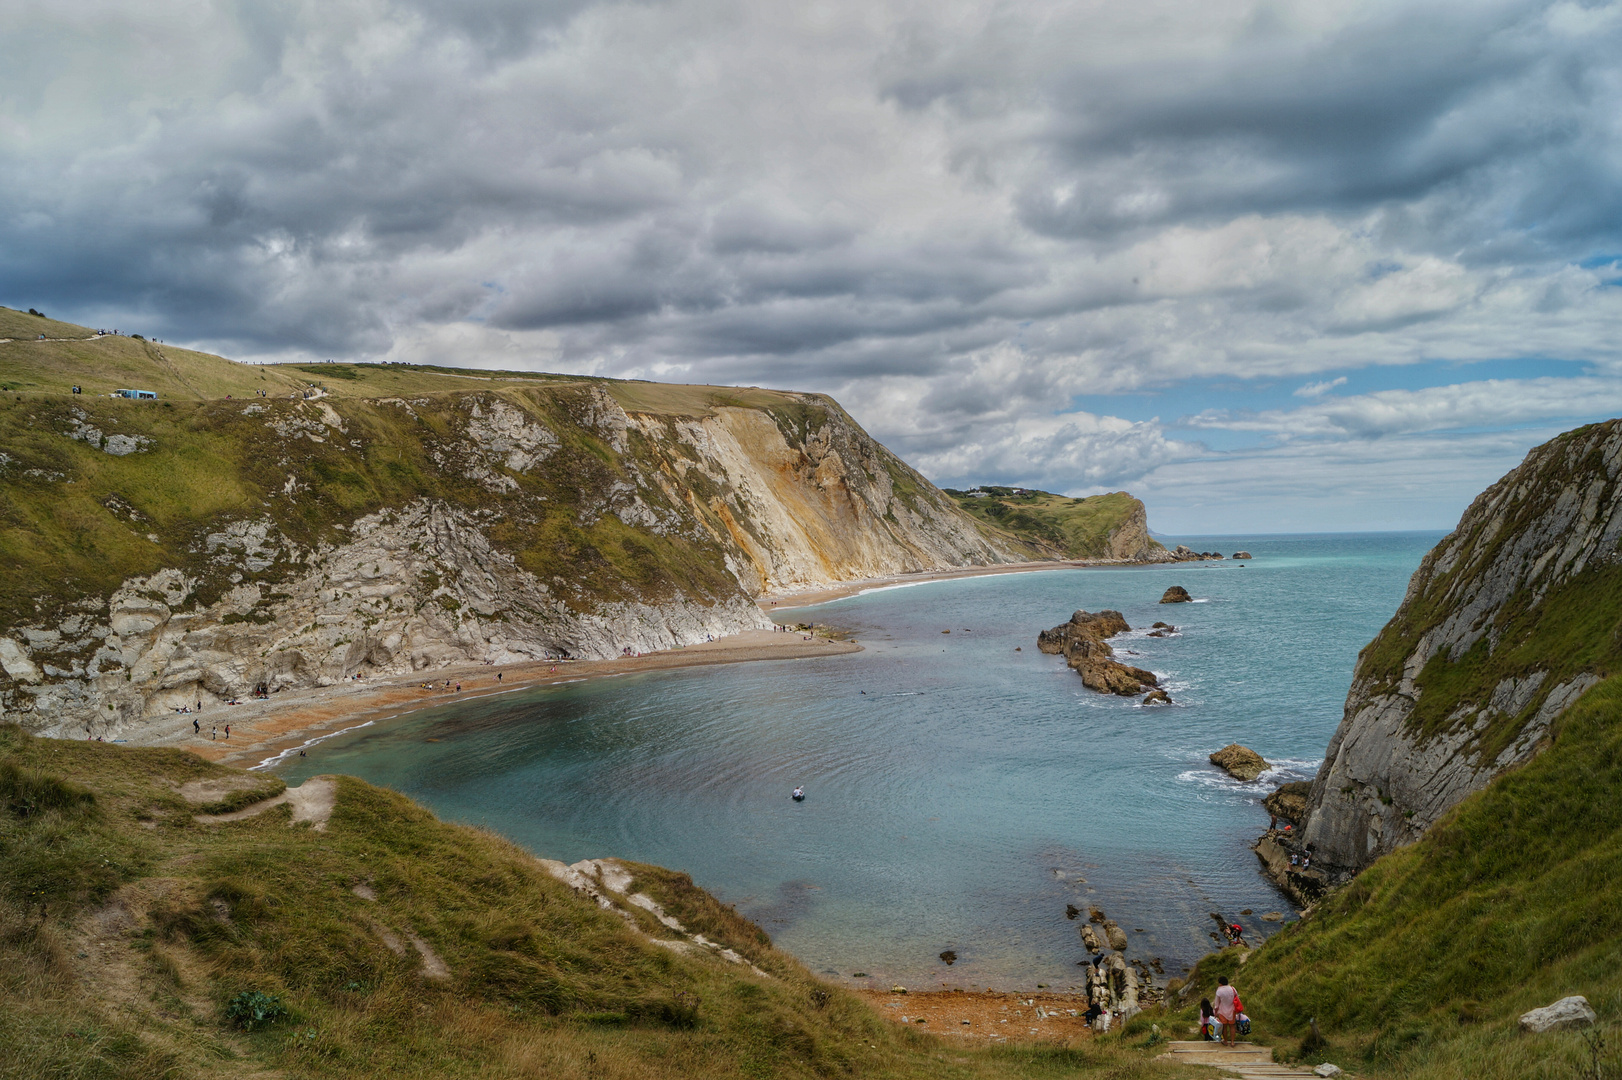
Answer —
(959, 793)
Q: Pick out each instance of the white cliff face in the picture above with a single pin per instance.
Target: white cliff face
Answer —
(469, 574)
(417, 589)
(1468, 680)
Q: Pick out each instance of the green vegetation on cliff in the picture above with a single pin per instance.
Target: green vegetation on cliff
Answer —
(1058, 526)
(1420, 967)
(137, 942)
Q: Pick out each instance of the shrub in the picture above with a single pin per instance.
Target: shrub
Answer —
(254, 1008)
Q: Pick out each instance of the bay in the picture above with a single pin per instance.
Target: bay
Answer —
(963, 788)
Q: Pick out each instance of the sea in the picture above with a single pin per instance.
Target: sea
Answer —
(965, 794)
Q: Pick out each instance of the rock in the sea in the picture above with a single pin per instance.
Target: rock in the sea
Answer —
(1176, 595)
(1165, 626)
(1241, 554)
(1564, 1015)
(1289, 801)
(1272, 916)
(1089, 938)
(1116, 936)
(1240, 762)
(1157, 697)
(1081, 642)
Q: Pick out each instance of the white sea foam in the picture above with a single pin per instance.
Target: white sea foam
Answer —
(290, 751)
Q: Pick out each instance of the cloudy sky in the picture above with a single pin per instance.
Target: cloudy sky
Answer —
(1270, 266)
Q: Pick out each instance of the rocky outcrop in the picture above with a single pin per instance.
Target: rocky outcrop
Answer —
(1289, 801)
(1180, 553)
(1176, 595)
(1241, 555)
(1304, 885)
(1472, 675)
(1081, 641)
(1239, 762)
(395, 535)
(1568, 1014)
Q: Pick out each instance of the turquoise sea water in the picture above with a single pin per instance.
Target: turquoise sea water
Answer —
(960, 793)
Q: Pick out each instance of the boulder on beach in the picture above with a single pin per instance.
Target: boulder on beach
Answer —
(1176, 595)
(1240, 762)
(1289, 801)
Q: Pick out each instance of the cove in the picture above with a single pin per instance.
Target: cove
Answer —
(960, 793)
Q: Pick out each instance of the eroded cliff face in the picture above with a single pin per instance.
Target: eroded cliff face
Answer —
(407, 534)
(1504, 626)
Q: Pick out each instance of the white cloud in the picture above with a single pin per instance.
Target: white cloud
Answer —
(1319, 389)
(965, 219)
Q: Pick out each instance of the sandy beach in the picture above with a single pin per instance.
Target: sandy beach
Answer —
(987, 1015)
(788, 601)
(260, 730)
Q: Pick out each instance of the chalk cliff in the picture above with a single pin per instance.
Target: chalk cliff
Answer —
(1506, 623)
(183, 551)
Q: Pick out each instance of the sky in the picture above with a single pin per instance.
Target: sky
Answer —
(1270, 266)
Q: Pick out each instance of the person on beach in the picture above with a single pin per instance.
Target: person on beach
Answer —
(196, 728)
(498, 676)
(213, 732)
(1227, 1010)
(227, 731)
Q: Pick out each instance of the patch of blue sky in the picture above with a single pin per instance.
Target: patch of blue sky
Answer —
(1173, 404)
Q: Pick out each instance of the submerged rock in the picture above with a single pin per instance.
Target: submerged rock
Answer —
(1176, 595)
(1157, 697)
(1240, 762)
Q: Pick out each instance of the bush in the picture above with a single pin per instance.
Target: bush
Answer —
(253, 1008)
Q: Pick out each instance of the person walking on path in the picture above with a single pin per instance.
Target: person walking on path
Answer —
(1227, 1010)
(227, 731)
(196, 728)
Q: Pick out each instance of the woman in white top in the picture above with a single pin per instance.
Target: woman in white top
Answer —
(1227, 1010)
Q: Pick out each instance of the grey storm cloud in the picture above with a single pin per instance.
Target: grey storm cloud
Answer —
(964, 218)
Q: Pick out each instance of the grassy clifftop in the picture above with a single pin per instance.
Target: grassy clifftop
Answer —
(1111, 526)
(395, 945)
(1420, 967)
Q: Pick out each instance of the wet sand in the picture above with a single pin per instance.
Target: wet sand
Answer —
(293, 718)
(986, 1015)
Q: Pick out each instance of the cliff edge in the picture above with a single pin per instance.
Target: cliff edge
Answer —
(1506, 623)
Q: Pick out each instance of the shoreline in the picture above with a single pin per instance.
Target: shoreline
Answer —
(266, 732)
(825, 594)
(263, 732)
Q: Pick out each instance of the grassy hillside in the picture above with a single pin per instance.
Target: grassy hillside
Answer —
(1420, 967)
(127, 928)
(1055, 526)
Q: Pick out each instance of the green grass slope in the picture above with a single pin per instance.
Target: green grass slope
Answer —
(1051, 526)
(1420, 967)
(127, 929)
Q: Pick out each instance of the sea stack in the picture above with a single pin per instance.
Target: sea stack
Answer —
(1240, 762)
(1081, 642)
(1176, 595)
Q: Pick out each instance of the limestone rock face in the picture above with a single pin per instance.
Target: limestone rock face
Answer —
(531, 524)
(1470, 678)
(1567, 1014)
(1081, 642)
(1176, 595)
(1239, 762)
